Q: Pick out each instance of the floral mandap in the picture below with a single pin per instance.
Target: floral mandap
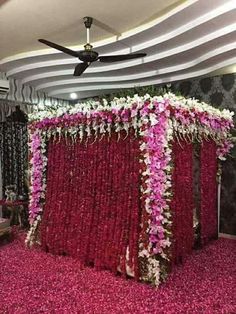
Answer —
(130, 185)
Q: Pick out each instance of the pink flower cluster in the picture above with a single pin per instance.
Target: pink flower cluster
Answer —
(105, 116)
(224, 148)
(37, 176)
(193, 115)
(206, 124)
(157, 183)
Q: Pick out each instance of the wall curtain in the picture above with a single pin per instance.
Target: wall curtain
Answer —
(14, 152)
(14, 156)
(92, 201)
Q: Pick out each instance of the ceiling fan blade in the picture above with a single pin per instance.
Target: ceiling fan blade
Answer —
(58, 47)
(80, 68)
(121, 57)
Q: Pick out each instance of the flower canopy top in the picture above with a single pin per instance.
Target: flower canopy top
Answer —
(157, 122)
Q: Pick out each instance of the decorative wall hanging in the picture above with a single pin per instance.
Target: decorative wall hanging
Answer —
(14, 161)
(103, 178)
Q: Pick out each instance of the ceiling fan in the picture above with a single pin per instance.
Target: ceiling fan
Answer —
(88, 55)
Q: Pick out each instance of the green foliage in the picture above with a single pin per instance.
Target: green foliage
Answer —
(140, 90)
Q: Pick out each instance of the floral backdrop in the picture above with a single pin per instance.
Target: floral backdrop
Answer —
(157, 122)
(92, 201)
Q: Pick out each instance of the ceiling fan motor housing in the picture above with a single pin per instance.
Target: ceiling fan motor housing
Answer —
(88, 56)
(88, 21)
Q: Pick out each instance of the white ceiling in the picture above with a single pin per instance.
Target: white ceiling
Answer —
(182, 39)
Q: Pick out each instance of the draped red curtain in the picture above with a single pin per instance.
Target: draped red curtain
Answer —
(182, 202)
(92, 207)
(208, 208)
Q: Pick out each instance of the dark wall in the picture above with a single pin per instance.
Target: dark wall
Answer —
(219, 91)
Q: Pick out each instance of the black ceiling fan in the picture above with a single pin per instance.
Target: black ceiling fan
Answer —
(88, 55)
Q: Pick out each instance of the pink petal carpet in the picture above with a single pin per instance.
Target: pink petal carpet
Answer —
(32, 281)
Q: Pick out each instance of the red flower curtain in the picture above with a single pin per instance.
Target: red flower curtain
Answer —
(208, 209)
(92, 207)
(182, 203)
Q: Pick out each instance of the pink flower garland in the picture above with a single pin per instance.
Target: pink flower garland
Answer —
(223, 149)
(38, 165)
(159, 160)
(37, 176)
(157, 156)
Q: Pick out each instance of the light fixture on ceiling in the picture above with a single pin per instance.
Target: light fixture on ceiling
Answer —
(73, 96)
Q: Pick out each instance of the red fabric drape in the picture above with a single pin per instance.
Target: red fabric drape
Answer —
(92, 201)
(208, 209)
(182, 203)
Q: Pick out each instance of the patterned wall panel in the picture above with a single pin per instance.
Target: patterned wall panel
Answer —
(27, 94)
(219, 91)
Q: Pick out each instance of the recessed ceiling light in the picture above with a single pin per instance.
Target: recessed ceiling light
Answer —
(73, 96)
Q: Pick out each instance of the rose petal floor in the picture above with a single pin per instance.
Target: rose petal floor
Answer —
(32, 281)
